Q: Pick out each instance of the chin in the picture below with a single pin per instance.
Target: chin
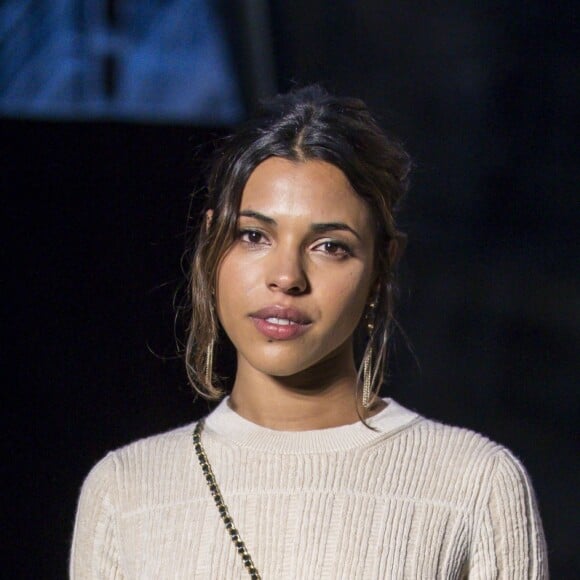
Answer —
(280, 364)
(280, 369)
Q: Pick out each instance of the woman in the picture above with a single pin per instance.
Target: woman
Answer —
(303, 471)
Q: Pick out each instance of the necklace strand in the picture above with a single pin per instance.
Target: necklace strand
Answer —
(220, 504)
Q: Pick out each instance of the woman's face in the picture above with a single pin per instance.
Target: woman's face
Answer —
(292, 288)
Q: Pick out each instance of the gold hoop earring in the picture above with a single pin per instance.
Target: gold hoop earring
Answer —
(209, 363)
(368, 358)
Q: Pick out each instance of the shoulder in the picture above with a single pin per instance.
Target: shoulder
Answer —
(475, 453)
(153, 446)
(130, 470)
(440, 442)
(455, 465)
(457, 444)
(444, 444)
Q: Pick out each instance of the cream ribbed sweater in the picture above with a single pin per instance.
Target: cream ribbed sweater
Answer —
(415, 499)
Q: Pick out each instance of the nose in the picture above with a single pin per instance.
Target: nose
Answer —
(286, 272)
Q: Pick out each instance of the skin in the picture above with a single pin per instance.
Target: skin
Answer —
(307, 382)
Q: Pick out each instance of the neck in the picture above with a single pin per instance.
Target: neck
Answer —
(318, 398)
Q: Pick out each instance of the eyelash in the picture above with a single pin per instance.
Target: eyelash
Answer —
(344, 250)
(243, 233)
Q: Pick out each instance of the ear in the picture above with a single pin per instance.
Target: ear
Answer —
(208, 218)
(396, 249)
(373, 292)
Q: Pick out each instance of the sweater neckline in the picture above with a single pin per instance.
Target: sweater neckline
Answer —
(226, 425)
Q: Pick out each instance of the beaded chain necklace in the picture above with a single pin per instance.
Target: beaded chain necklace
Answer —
(219, 502)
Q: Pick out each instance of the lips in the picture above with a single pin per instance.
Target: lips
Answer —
(281, 323)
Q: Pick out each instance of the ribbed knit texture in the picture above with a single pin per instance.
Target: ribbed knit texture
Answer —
(414, 499)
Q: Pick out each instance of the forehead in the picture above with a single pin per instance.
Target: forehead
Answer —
(282, 188)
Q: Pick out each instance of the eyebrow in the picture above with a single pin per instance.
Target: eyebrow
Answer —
(317, 227)
(258, 216)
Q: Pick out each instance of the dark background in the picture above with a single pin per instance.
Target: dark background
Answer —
(95, 227)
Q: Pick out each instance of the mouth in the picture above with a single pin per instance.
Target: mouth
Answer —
(280, 323)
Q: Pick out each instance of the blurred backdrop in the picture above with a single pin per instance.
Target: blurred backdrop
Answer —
(108, 110)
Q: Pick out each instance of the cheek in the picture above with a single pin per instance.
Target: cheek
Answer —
(346, 296)
(235, 283)
(226, 295)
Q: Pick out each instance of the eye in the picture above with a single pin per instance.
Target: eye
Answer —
(252, 237)
(334, 249)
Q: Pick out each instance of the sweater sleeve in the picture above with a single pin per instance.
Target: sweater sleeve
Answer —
(95, 549)
(509, 539)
